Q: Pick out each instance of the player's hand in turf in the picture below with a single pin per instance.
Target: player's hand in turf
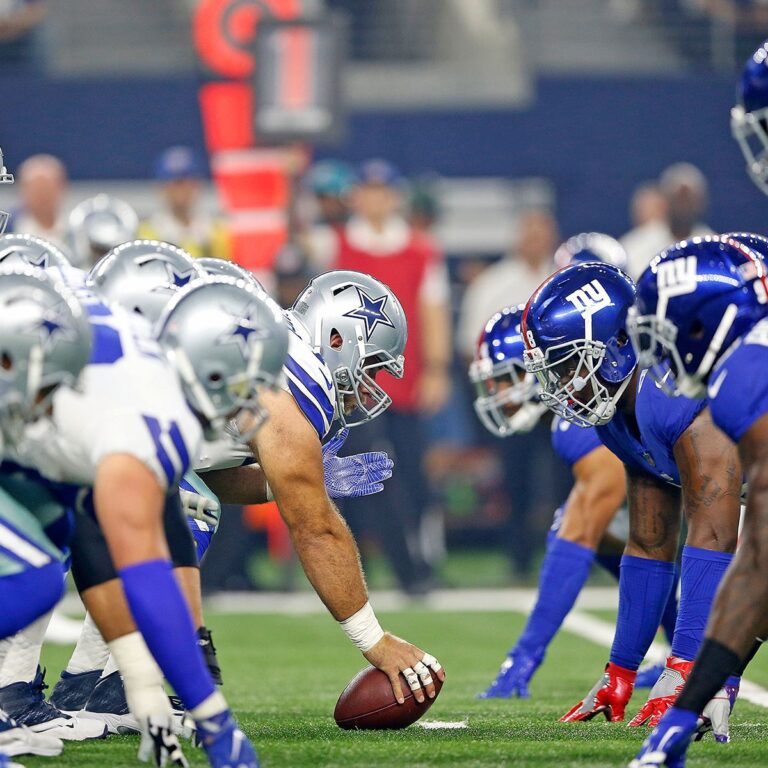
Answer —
(717, 715)
(609, 696)
(159, 745)
(663, 693)
(668, 742)
(393, 655)
(351, 476)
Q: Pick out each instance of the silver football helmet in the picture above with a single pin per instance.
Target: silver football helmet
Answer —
(358, 326)
(5, 178)
(228, 269)
(97, 225)
(227, 339)
(143, 275)
(20, 249)
(45, 341)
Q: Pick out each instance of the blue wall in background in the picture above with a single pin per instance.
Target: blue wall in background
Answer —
(595, 138)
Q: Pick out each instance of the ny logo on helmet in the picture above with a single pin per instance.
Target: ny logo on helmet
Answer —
(674, 278)
(588, 300)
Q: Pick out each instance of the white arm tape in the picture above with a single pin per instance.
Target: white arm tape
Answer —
(268, 495)
(363, 628)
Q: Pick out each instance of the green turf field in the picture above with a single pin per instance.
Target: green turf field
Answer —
(283, 674)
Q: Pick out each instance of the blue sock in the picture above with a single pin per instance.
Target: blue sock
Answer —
(644, 589)
(27, 595)
(162, 617)
(611, 563)
(669, 617)
(700, 575)
(563, 573)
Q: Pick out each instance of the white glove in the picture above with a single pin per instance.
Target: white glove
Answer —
(159, 745)
(717, 714)
(200, 507)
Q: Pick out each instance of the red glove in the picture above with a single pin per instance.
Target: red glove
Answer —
(610, 696)
(664, 693)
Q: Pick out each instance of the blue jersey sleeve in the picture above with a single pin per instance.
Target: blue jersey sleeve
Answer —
(738, 387)
(572, 443)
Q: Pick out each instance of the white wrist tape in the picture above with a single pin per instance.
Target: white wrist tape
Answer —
(268, 495)
(363, 628)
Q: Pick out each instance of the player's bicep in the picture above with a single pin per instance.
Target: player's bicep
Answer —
(288, 450)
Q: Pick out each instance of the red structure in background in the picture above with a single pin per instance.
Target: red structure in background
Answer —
(252, 180)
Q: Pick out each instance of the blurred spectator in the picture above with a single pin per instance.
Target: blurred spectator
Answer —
(330, 183)
(531, 477)
(291, 274)
(685, 190)
(647, 204)
(378, 240)
(21, 44)
(511, 280)
(97, 225)
(42, 181)
(422, 206)
(182, 221)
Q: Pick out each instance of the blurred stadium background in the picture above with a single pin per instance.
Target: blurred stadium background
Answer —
(517, 123)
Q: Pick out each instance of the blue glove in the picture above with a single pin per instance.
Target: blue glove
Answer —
(352, 476)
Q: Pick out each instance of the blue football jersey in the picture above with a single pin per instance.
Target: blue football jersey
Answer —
(572, 443)
(738, 386)
(661, 420)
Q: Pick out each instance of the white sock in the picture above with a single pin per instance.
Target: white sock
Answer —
(22, 654)
(110, 666)
(142, 678)
(91, 652)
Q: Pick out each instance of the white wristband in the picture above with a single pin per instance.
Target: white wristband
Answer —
(363, 628)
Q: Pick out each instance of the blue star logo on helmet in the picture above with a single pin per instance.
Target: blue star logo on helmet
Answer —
(244, 332)
(176, 277)
(371, 312)
(50, 329)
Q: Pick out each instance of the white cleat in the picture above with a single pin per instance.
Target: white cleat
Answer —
(71, 728)
(122, 725)
(19, 740)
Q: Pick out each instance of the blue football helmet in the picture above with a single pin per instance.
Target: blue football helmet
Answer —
(507, 401)
(693, 302)
(591, 246)
(749, 118)
(574, 328)
(756, 243)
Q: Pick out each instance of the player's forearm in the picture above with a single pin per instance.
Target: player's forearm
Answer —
(238, 485)
(330, 559)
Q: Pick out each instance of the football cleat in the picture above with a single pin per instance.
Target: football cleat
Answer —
(668, 742)
(17, 739)
(205, 641)
(717, 714)
(225, 744)
(609, 697)
(26, 704)
(648, 675)
(663, 693)
(107, 705)
(6, 762)
(515, 674)
(71, 692)
(160, 745)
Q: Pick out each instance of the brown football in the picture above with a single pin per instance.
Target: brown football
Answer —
(368, 703)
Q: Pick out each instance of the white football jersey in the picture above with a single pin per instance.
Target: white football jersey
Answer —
(306, 376)
(128, 400)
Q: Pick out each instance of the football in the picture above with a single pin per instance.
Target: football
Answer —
(368, 703)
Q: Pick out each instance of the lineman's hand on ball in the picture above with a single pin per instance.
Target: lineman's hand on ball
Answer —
(393, 655)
